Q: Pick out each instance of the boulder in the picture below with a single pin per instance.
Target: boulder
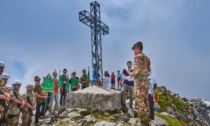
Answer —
(95, 98)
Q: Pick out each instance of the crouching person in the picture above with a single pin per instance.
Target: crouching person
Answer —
(30, 106)
(16, 105)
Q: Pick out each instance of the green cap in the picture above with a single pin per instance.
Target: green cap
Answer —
(138, 44)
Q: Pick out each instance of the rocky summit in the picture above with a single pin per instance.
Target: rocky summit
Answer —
(98, 106)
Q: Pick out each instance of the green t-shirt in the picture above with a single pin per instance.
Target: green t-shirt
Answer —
(38, 89)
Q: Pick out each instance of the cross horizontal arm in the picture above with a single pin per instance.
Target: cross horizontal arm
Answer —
(87, 18)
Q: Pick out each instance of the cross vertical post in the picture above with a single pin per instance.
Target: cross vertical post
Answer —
(98, 28)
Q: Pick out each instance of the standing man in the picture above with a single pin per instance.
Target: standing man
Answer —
(127, 84)
(1, 67)
(41, 98)
(17, 104)
(84, 79)
(30, 105)
(64, 83)
(119, 77)
(4, 98)
(49, 97)
(54, 96)
(140, 73)
(113, 80)
(74, 81)
(152, 82)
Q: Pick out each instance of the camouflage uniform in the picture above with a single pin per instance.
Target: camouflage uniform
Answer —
(5, 90)
(14, 111)
(142, 63)
(26, 117)
(3, 113)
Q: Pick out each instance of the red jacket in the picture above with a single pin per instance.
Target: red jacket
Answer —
(112, 77)
(55, 85)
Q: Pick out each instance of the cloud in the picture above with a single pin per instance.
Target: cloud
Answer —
(174, 33)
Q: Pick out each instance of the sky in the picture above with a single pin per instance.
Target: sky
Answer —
(40, 36)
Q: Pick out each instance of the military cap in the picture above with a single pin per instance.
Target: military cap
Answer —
(16, 82)
(2, 64)
(36, 78)
(28, 85)
(4, 76)
(138, 44)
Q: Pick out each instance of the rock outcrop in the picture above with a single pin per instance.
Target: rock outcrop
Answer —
(96, 98)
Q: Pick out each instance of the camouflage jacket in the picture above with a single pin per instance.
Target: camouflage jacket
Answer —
(141, 63)
(14, 110)
(4, 90)
(31, 97)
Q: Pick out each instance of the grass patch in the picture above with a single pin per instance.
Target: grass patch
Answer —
(171, 121)
(63, 124)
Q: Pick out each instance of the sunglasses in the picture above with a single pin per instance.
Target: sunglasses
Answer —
(37, 80)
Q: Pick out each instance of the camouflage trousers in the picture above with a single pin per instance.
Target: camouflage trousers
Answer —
(26, 119)
(1, 118)
(13, 121)
(141, 100)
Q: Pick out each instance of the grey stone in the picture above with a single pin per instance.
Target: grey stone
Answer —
(83, 112)
(63, 115)
(125, 118)
(95, 98)
(105, 123)
(133, 121)
(74, 115)
(89, 119)
(119, 124)
(157, 107)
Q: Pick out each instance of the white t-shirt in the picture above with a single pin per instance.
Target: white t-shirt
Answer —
(106, 82)
(152, 81)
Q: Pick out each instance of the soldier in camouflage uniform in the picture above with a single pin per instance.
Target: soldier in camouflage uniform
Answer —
(1, 67)
(16, 100)
(4, 96)
(84, 80)
(140, 73)
(30, 105)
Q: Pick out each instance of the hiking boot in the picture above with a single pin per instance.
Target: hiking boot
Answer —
(131, 112)
(124, 108)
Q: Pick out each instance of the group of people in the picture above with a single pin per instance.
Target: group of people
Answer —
(12, 103)
(107, 79)
(137, 81)
(127, 83)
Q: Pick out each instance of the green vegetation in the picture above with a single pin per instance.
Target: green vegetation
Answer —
(165, 100)
(171, 121)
